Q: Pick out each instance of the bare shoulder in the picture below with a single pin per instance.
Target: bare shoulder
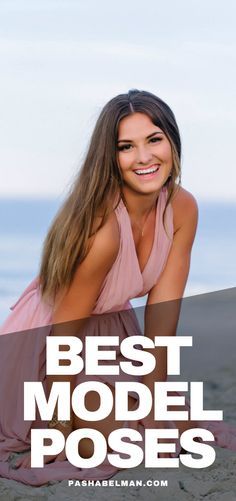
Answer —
(185, 209)
(78, 301)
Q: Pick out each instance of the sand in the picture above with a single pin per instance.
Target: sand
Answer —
(216, 483)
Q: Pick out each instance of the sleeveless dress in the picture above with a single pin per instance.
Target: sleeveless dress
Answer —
(123, 282)
(22, 354)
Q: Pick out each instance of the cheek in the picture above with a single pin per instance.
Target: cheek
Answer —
(123, 161)
(167, 153)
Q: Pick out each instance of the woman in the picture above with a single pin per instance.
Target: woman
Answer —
(125, 230)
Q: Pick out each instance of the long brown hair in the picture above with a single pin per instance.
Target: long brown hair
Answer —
(99, 182)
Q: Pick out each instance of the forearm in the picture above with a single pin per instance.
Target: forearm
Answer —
(161, 319)
(72, 328)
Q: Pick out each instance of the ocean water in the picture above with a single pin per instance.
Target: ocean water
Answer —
(24, 223)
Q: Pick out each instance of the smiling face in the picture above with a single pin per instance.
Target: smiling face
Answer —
(144, 154)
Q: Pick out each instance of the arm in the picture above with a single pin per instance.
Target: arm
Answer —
(77, 303)
(79, 300)
(164, 300)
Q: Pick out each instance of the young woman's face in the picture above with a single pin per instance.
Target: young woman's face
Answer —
(144, 154)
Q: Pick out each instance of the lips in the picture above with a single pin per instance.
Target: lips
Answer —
(147, 170)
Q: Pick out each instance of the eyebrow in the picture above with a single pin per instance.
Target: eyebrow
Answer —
(148, 137)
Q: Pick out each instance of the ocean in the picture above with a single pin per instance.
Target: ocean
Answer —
(24, 223)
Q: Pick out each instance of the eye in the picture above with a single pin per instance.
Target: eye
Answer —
(155, 139)
(124, 147)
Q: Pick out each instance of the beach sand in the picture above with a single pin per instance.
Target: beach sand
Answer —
(216, 483)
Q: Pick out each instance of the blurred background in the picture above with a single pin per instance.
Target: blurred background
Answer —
(61, 61)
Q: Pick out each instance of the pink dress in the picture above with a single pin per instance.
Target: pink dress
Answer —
(23, 354)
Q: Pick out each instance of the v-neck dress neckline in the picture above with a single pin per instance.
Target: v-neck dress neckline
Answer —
(125, 279)
(142, 273)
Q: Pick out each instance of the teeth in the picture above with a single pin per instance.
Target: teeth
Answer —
(146, 171)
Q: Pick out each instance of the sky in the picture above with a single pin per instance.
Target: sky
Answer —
(61, 61)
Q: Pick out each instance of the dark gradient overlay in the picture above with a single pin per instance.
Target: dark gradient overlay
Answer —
(211, 321)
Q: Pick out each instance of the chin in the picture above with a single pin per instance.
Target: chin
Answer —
(152, 188)
(146, 191)
(145, 187)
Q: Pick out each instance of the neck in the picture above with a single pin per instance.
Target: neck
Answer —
(139, 205)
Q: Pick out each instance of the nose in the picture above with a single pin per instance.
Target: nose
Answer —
(144, 155)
